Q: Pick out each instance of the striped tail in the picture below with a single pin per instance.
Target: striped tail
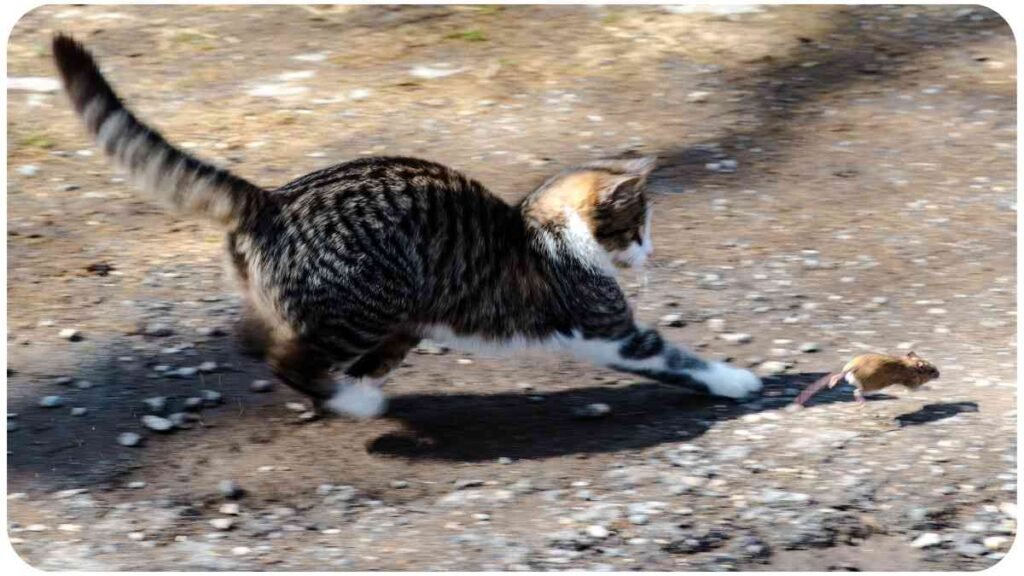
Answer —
(173, 176)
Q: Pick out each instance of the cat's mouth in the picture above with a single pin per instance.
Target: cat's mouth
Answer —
(632, 257)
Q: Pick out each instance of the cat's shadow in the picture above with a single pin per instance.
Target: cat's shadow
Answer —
(481, 427)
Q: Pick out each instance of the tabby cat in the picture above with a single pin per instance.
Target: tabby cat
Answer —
(349, 267)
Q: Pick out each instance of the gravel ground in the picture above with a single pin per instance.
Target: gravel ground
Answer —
(833, 180)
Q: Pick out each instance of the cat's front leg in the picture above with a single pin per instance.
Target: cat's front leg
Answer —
(644, 352)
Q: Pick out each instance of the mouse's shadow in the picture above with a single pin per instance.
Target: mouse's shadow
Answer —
(934, 412)
(480, 427)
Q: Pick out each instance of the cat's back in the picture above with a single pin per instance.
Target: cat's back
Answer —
(387, 182)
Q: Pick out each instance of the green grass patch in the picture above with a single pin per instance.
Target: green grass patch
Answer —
(39, 141)
(468, 36)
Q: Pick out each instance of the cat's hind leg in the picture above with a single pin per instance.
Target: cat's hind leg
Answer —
(358, 393)
(303, 366)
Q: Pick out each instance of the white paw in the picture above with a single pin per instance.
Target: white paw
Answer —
(361, 399)
(725, 380)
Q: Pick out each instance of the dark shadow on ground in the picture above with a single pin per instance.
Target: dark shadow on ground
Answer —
(54, 448)
(934, 412)
(481, 427)
(782, 96)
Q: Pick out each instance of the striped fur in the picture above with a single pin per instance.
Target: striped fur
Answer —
(350, 266)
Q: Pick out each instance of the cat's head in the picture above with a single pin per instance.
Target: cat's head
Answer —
(600, 206)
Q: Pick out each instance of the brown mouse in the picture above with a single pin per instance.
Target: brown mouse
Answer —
(873, 372)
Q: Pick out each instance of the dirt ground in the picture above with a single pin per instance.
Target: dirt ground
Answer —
(835, 179)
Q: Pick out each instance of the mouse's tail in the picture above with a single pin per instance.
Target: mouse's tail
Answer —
(809, 392)
(173, 176)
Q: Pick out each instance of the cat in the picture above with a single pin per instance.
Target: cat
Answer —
(349, 267)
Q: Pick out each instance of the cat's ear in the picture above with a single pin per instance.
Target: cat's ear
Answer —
(640, 167)
(619, 188)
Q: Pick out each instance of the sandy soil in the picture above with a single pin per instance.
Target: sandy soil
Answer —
(829, 175)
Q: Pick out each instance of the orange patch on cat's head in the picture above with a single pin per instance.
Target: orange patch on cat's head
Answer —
(576, 191)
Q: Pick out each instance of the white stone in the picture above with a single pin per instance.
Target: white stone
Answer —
(33, 84)
(736, 338)
(926, 540)
(433, 73)
(222, 523)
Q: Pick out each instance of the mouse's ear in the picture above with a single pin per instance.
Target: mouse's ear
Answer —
(912, 354)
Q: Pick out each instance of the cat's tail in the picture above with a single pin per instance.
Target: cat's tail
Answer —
(173, 176)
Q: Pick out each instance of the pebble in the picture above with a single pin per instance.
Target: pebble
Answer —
(129, 439)
(971, 549)
(672, 320)
(33, 83)
(229, 489)
(70, 334)
(157, 423)
(185, 372)
(698, 97)
(137, 536)
(28, 170)
(37, 527)
(156, 404)
(261, 386)
(311, 57)
(12, 426)
(399, 484)
(222, 523)
(211, 397)
(209, 331)
(79, 411)
(639, 519)
(192, 403)
(207, 367)
(1009, 509)
(230, 508)
(468, 483)
(182, 419)
(737, 338)
(995, 542)
(773, 367)
(157, 330)
(137, 485)
(592, 411)
(716, 325)
(357, 94)
(69, 528)
(51, 402)
(927, 540)
(597, 531)
(241, 550)
(427, 346)
(295, 406)
(810, 347)
(433, 73)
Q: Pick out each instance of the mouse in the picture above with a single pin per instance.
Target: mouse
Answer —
(873, 372)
